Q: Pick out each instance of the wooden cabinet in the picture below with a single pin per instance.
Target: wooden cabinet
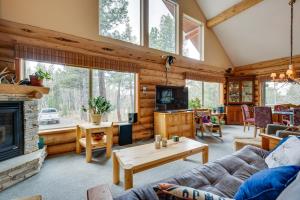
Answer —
(234, 115)
(168, 124)
(240, 90)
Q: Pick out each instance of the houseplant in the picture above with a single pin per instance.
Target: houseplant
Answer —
(195, 103)
(37, 78)
(98, 106)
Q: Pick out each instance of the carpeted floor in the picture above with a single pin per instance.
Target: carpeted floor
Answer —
(68, 176)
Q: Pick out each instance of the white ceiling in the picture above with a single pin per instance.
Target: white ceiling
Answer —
(257, 34)
(212, 8)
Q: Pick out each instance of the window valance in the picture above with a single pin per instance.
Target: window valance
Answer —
(204, 77)
(56, 56)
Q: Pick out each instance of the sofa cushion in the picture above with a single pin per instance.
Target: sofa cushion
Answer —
(222, 177)
(267, 184)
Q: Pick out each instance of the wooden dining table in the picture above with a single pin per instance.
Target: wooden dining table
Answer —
(289, 113)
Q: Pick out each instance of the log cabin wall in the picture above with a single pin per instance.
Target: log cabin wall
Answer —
(19, 24)
(150, 74)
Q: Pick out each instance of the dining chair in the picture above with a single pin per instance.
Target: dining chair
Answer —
(284, 118)
(262, 117)
(246, 117)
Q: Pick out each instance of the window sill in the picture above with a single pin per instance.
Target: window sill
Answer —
(59, 130)
(67, 129)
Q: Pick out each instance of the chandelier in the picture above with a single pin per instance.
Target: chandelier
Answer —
(291, 75)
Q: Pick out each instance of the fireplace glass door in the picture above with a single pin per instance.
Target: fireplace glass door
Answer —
(11, 130)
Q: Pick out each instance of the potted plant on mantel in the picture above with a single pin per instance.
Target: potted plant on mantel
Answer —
(98, 106)
(38, 77)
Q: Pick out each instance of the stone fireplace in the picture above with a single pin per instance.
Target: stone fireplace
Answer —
(11, 130)
(20, 156)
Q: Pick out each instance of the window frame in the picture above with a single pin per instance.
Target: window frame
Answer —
(177, 17)
(90, 88)
(263, 96)
(142, 29)
(221, 94)
(201, 37)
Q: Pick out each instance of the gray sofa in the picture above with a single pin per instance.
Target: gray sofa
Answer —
(222, 177)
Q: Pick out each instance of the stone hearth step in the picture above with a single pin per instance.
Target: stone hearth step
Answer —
(17, 169)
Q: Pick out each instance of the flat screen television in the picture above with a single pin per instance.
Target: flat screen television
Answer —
(169, 98)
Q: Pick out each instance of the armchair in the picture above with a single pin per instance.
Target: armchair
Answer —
(282, 131)
(203, 122)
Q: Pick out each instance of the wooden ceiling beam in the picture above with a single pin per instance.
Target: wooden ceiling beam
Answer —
(231, 12)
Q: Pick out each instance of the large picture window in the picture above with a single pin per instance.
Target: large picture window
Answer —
(192, 38)
(70, 88)
(281, 93)
(121, 19)
(118, 88)
(162, 25)
(207, 92)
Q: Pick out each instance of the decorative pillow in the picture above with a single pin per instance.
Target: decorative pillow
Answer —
(283, 141)
(292, 191)
(285, 154)
(267, 184)
(187, 193)
(205, 119)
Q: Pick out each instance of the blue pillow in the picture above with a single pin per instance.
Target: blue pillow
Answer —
(283, 141)
(267, 184)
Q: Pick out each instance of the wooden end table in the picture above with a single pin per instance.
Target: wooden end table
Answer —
(88, 129)
(140, 158)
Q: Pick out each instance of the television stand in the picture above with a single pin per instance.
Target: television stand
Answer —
(174, 123)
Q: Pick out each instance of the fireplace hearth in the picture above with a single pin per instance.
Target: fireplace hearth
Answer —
(20, 157)
(11, 130)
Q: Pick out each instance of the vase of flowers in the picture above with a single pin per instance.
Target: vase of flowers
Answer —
(38, 77)
(98, 106)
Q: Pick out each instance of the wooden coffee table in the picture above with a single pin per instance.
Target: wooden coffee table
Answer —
(143, 157)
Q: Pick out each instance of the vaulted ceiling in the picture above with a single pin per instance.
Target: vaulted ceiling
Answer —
(257, 34)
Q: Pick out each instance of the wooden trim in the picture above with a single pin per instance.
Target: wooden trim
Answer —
(54, 131)
(204, 77)
(269, 142)
(137, 96)
(145, 22)
(231, 12)
(18, 69)
(30, 91)
(180, 30)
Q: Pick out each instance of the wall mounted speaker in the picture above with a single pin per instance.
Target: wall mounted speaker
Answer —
(132, 117)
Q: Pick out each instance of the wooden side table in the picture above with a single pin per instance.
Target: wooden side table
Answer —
(89, 144)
